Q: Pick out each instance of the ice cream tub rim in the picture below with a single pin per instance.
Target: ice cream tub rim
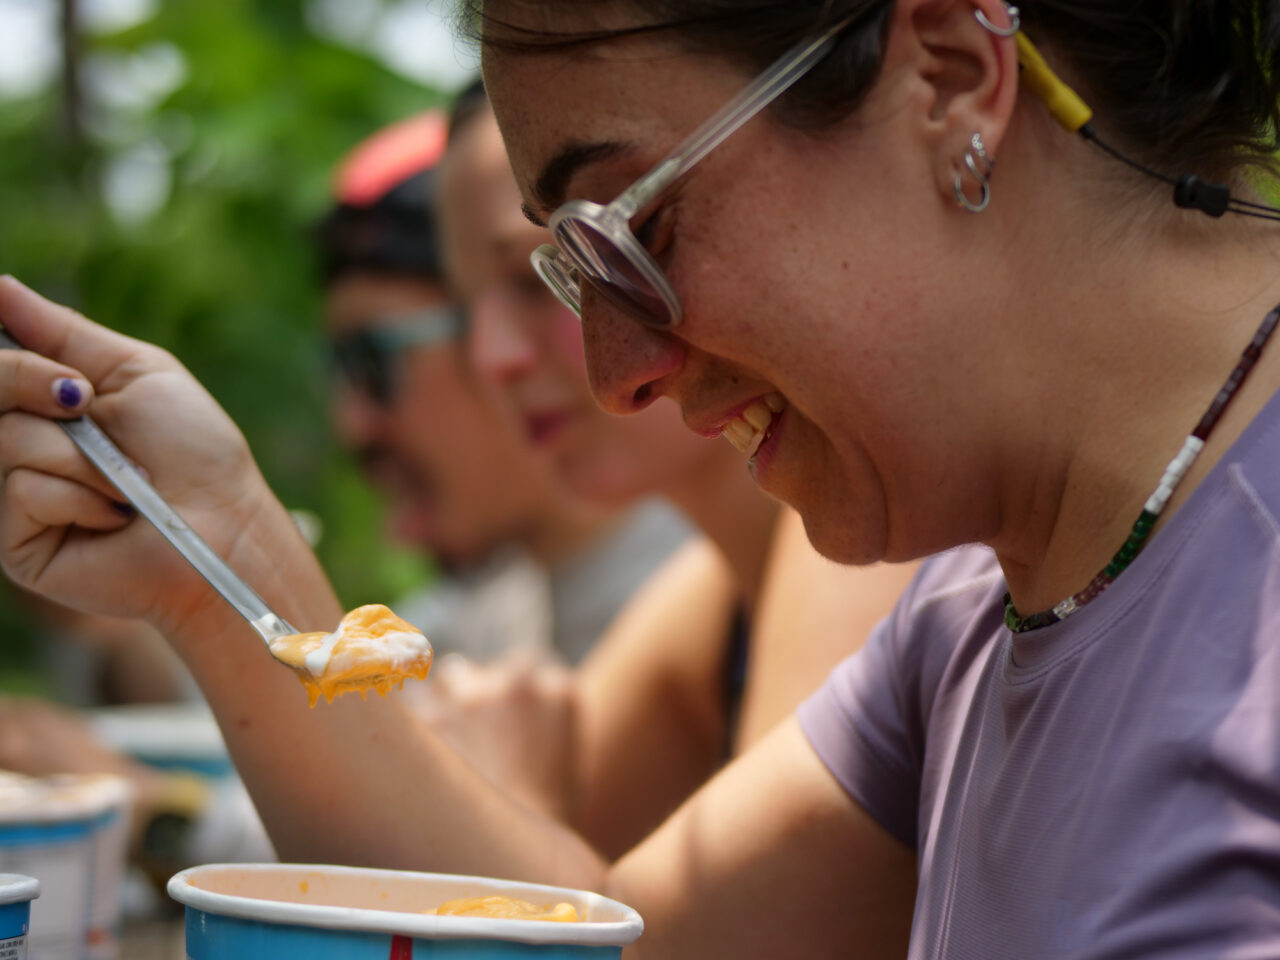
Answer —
(17, 888)
(69, 798)
(621, 932)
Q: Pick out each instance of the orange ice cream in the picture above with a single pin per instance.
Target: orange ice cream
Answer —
(506, 908)
(372, 649)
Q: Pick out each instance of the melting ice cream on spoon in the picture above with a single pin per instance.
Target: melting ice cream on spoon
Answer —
(372, 649)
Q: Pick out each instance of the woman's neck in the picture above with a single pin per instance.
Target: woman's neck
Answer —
(720, 498)
(1163, 317)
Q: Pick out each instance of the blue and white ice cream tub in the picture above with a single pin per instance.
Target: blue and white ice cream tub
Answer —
(70, 833)
(16, 894)
(275, 911)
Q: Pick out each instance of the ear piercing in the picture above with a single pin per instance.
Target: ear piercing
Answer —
(976, 160)
(980, 166)
(1015, 21)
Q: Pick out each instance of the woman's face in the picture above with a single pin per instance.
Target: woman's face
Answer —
(443, 448)
(822, 274)
(527, 343)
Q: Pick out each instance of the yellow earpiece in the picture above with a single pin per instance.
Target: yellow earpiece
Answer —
(1063, 102)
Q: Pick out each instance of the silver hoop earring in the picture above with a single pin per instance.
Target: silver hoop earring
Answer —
(980, 167)
(965, 202)
(1015, 21)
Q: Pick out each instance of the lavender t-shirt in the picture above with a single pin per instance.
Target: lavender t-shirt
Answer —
(1107, 787)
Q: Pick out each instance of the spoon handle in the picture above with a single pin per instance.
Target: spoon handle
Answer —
(135, 488)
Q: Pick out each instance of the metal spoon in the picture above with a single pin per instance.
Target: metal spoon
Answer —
(135, 488)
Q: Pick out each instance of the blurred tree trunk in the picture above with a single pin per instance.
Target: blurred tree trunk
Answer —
(72, 93)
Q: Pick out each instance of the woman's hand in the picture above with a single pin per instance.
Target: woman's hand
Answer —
(511, 720)
(64, 532)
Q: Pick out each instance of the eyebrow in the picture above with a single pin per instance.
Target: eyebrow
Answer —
(552, 182)
(531, 216)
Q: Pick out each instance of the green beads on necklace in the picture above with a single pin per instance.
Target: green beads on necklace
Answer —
(1155, 504)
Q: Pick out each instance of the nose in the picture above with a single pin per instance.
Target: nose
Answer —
(627, 362)
(357, 419)
(499, 346)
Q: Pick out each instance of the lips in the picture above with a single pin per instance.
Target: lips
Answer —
(543, 428)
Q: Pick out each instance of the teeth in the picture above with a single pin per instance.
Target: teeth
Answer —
(739, 434)
(758, 415)
(747, 432)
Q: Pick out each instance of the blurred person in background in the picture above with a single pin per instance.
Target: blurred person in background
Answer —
(524, 563)
(718, 647)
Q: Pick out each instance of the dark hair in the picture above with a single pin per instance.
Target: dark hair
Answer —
(1186, 85)
(384, 217)
(467, 105)
(395, 234)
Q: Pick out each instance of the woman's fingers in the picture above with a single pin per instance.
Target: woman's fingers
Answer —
(36, 384)
(62, 334)
(48, 486)
(46, 501)
(36, 516)
(29, 442)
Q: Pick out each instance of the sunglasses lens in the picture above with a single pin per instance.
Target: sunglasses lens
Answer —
(364, 366)
(613, 273)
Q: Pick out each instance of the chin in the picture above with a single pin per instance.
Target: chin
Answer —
(841, 537)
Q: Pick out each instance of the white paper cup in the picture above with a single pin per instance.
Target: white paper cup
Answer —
(269, 911)
(16, 894)
(70, 833)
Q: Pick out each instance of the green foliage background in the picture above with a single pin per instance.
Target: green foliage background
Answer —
(222, 274)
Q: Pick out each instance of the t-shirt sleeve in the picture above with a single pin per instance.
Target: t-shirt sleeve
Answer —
(858, 724)
(869, 722)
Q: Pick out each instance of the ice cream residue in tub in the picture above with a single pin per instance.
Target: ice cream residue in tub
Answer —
(506, 908)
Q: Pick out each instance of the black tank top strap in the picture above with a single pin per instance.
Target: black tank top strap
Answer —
(737, 653)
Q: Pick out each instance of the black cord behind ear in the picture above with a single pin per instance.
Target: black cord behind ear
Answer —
(1190, 192)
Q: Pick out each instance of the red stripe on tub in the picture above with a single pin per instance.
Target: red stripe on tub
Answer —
(401, 948)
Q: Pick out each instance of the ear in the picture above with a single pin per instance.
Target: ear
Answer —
(970, 75)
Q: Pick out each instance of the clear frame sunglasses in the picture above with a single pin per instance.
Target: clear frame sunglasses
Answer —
(595, 243)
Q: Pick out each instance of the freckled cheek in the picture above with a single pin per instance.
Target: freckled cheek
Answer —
(735, 297)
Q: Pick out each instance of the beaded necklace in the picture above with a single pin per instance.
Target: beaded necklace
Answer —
(1173, 475)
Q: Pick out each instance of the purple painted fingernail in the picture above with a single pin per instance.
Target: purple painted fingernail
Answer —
(68, 393)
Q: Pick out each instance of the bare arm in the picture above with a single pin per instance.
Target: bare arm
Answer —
(813, 613)
(651, 721)
(613, 747)
(771, 859)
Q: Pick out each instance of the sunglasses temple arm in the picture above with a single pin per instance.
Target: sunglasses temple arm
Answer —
(761, 92)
